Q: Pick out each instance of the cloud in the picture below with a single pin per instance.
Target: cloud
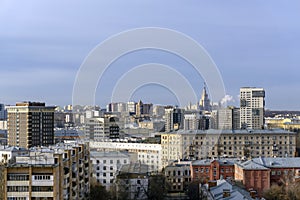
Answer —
(227, 99)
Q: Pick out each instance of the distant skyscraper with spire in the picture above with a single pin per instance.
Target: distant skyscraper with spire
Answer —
(204, 102)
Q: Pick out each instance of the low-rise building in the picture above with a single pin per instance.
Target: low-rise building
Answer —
(178, 176)
(208, 170)
(261, 173)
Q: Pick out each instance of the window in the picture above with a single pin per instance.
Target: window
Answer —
(278, 172)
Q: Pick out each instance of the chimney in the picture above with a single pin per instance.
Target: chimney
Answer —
(226, 193)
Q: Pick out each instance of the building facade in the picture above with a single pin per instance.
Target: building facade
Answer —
(228, 118)
(149, 154)
(30, 124)
(194, 145)
(252, 108)
(55, 173)
(101, 128)
(106, 166)
(132, 182)
(208, 170)
(178, 176)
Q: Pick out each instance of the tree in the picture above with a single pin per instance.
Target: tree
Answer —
(98, 191)
(158, 187)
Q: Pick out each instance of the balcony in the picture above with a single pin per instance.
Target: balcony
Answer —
(42, 183)
(41, 194)
(18, 194)
(17, 183)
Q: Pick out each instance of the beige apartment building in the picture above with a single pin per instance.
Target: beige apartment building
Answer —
(194, 145)
(30, 124)
(54, 173)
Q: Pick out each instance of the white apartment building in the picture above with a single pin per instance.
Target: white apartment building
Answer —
(191, 121)
(252, 107)
(106, 165)
(149, 154)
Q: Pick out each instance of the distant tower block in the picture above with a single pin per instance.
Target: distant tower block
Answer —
(252, 107)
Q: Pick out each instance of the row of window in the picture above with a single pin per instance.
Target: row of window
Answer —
(112, 161)
(17, 188)
(16, 198)
(17, 177)
(42, 177)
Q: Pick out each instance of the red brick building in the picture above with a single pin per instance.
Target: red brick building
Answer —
(260, 173)
(206, 170)
(253, 176)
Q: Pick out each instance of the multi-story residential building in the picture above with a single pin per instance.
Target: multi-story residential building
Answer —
(143, 109)
(252, 107)
(228, 118)
(106, 165)
(132, 182)
(30, 124)
(149, 154)
(131, 107)
(227, 143)
(58, 172)
(178, 176)
(103, 127)
(158, 111)
(173, 118)
(261, 173)
(191, 120)
(207, 170)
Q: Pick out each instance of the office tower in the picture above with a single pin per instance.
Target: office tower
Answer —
(252, 107)
(30, 124)
(204, 103)
(229, 118)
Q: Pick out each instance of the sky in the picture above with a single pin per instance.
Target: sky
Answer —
(253, 43)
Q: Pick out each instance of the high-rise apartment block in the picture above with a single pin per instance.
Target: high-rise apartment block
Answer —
(30, 124)
(252, 105)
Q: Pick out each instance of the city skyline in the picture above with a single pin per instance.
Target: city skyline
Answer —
(252, 44)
